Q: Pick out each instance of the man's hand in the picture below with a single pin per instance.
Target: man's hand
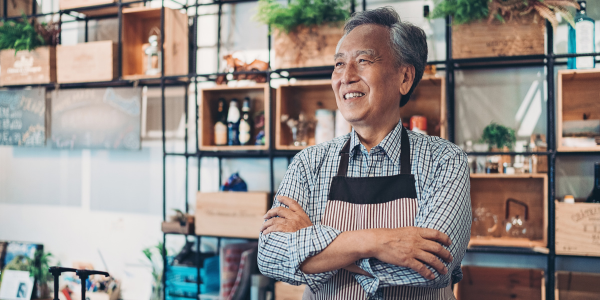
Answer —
(412, 247)
(290, 219)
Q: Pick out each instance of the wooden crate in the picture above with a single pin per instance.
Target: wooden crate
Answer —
(81, 5)
(479, 39)
(500, 284)
(137, 25)
(35, 67)
(286, 291)
(312, 46)
(427, 100)
(577, 228)
(491, 191)
(231, 214)
(578, 92)
(260, 99)
(87, 62)
(577, 286)
(16, 8)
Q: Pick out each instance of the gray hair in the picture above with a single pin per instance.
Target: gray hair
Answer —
(407, 41)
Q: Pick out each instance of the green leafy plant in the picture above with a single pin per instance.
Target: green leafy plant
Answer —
(27, 35)
(499, 136)
(301, 12)
(149, 253)
(39, 269)
(462, 11)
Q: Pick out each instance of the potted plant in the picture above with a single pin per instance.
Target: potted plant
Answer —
(157, 271)
(38, 269)
(27, 52)
(306, 32)
(499, 137)
(483, 28)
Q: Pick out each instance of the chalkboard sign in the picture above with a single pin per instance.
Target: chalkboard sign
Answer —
(22, 117)
(98, 118)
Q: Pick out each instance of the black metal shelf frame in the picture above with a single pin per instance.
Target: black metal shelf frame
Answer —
(549, 60)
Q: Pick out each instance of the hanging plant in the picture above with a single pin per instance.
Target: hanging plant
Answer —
(466, 11)
(301, 12)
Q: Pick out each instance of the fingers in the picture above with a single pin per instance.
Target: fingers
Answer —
(278, 212)
(435, 235)
(274, 225)
(291, 203)
(432, 261)
(420, 268)
(438, 250)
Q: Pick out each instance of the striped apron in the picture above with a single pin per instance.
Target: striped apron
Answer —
(357, 203)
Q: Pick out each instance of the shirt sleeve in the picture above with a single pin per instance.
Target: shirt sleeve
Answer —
(281, 253)
(447, 209)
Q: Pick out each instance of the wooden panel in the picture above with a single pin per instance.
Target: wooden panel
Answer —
(578, 92)
(312, 46)
(578, 228)
(137, 25)
(577, 286)
(16, 8)
(500, 284)
(260, 96)
(492, 191)
(286, 291)
(304, 97)
(480, 39)
(76, 4)
(87, 62)
(429, 100)
(35, 67)
(230, 214)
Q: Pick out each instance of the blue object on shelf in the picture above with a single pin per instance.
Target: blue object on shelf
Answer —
(235, 184)
(182, 281)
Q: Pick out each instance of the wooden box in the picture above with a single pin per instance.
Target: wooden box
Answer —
(176, 227)
(138, 25)
(231, 214)
(500, 284)
(87, 62)
(491, 192)
(577, 228)
(286, 291)
(77, 5)
(312, 46)
(35, 67)
(427, 100)
(577, 100)
(577, 286)
(260, 100)
(15, 8)
(521, 36)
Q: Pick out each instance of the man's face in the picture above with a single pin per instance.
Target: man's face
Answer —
(366, 81)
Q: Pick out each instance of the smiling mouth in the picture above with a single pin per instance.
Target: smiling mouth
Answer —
(353, 95)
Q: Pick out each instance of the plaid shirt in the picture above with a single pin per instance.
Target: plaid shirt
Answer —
(442, 181)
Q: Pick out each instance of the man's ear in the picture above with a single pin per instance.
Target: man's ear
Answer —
(407, 78)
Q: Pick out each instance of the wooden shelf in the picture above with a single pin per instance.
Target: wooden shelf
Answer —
(577, 285)
(260, 95)
(429, 100)
(577, 96)
(491, 191)
(500, 284)
(94, 8)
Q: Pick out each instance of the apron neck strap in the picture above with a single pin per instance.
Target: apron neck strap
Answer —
(405, 165)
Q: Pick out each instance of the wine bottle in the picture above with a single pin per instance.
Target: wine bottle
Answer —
(595, 195)
(582, 39)
(245, 123)
(233, 123)
(221, 125)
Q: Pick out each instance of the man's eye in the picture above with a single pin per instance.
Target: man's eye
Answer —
(362, 60)
(338, 64)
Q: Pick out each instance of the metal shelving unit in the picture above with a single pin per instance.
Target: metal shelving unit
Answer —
(550, 60)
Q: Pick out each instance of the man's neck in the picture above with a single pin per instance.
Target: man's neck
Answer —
(371, 136)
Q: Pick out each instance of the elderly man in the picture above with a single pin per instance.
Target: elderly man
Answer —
(383, 212)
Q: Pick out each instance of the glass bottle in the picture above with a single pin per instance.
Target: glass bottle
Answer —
(221, 125)
(582, 39)
(153, 56)
(233, 123)
(245, 123)
(595, 195)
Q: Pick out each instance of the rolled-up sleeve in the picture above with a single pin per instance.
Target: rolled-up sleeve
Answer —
(280, 254)
(445, 206)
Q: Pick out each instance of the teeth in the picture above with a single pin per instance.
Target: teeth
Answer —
(353, 95)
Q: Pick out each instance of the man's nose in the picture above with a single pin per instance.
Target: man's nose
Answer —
(350, 74)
